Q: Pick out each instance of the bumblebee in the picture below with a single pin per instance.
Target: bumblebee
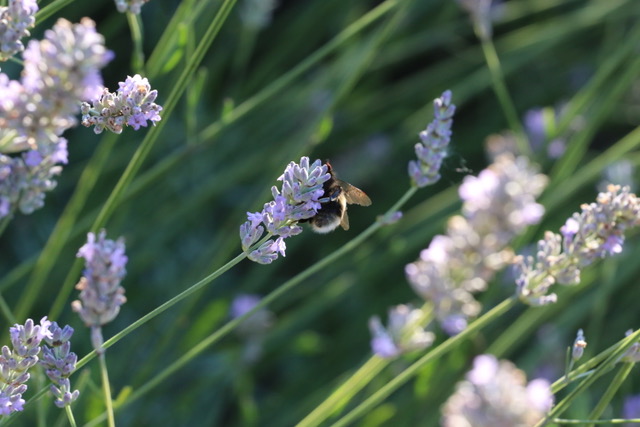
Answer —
(333, 212)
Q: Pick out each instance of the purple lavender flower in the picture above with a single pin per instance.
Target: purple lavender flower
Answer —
(256, 14)
(579, 345)
(59, 363)
(298, 199)
(404, 333)
(631, 409)
(132, 6)
(100, 292)
(59, 71)
(597, 231)
(132, 105)
(15, 21)
(24, 179)
(498, 205)
(15, 364)
(496, 394)
(481, 16)
(254, 328)
(435, 139)
(632, 355)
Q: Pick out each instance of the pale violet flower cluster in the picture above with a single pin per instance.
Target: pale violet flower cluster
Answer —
(632, 355)
(254, 328)
(100, 292)
(405, 332)
(498, 205)
(541, 124)
(15, 21)
(597, 231)
(482, 13)
(298, 199)
(15, 362)
(496, 394)
(256, 14)
(133, 6)
(25, 178)
(131, 105)
(30, 346)
(59, 362)
(435, 140)
(59, 72)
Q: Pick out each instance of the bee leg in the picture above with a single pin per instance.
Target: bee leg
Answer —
(336, 194)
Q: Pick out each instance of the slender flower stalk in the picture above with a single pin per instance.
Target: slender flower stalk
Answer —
(299, 198)
(498, 205)
(101, 296)
(132, 105)
(432, 149)
(594, 233)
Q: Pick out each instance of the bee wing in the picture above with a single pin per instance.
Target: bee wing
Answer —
(354, 195)
(344, 221)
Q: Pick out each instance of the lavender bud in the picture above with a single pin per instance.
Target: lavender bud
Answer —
(100, 292)
(597, 231)
(297, 199)
(15, 21)
(496, 393)
(578, 346)
(435, 139)
(133, 6)
(498, 205)
(14, 364)
(404, 332)
(59, 363)
(132, 105)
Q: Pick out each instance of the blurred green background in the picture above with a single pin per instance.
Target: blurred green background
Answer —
(359, 104)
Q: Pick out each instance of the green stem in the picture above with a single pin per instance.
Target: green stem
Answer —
(6, 311)
(345, 392)
(607, 365)
(106, 388)
(613, 387)
(4, 222)
(434, 354)
(70, 417)
(160, 309)
(51, 9)
(137, 56)
(501, 91)
(562, 421)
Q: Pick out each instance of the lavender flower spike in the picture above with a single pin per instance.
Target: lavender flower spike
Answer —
(435, 139)
(299, 198)
(15, 21)
(132, 105)
(132, 6)
(15, 364)
(597, 231)
(495, 393)
(498, 205)
(404, 333)
(59, 363)
(100, 292)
